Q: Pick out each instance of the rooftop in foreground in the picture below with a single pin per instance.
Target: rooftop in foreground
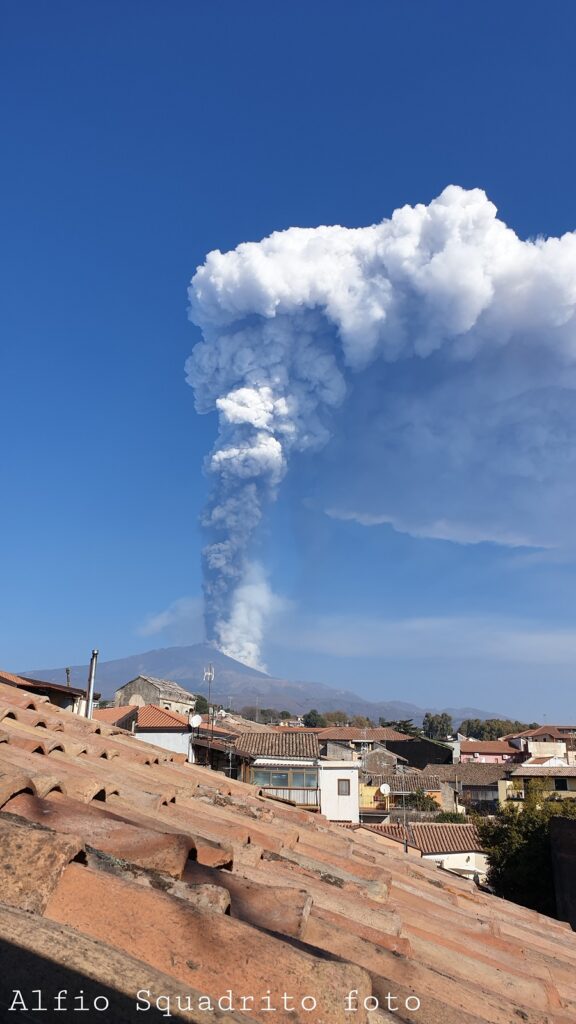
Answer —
(124, 868)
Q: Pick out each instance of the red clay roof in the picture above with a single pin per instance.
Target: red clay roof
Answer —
(347, 733)
(433, 837)
(487, 747)
(278, 744)
(409, 782)
(115, 715)
(124, 868)
(152, 716)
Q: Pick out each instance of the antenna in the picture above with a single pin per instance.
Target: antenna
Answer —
(209, 678)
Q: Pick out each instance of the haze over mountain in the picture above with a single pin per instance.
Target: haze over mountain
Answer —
(237, 685)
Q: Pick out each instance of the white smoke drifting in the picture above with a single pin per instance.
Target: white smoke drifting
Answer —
(288, 323)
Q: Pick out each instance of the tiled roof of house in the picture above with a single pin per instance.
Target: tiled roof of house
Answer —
(555, 731)
(25, 682)
(345, 733)
(487, 747)
(122, 868)
(151, 716)
(116, 715)
(433, 837)
(445, 837)
(278, 744)
(470, 773)
(546, 771)
(409, 782)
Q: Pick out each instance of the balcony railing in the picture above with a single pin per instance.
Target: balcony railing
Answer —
(303, 797)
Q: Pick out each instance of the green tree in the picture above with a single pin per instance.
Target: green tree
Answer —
(493, 728)
(336, 717)
(517, 842)
(360, 722)
(405, 725)
(437, 727)
(314, 720)
(451, 817)
(201, 705)
(285, 714)
(420, 801)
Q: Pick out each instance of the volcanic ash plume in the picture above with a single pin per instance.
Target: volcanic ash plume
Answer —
(287, 322)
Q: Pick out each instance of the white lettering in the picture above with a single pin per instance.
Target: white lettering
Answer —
(348, 1001)
(308, 999)
(226, 998)
(18, 998)
(163, 1003)
(101, 999)
(141, 997)
(411, 1000)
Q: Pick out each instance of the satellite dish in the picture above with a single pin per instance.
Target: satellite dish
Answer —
(385, 789)
(196, 721)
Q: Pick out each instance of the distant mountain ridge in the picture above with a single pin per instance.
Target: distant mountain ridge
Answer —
(238, 685)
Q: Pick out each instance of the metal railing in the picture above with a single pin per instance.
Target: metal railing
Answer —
(304, 797)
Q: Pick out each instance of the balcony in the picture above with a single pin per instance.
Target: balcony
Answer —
(301, 797)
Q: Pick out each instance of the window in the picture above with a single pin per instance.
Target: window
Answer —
(343, 787)
(279, 778)
(561, 784)
(289, 779)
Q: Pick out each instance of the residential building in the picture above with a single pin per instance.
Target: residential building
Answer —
(163, 692)
(420, 751)
(470, 786)
(287, 766)
(70, 698)
(558, 781)
(488, 751)
(454, 847)
(348, 742)
(400, 790)
(546, 741)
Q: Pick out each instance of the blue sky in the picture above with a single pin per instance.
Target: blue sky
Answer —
(137, 138)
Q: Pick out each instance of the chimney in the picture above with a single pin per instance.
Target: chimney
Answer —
(90, 690)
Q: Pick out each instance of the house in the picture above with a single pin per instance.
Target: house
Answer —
(124, 717)
(546, 741)
(70, 698)
(163, 692)
(133, 878)
(488, 751)
(351, 743)
(454, 847)
(470, 785)
(287, 766)
(400, 790)
(420, 751)
(558, 782)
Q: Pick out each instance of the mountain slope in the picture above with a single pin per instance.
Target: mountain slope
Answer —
(237, 685)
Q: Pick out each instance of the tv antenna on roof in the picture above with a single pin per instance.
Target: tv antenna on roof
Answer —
(209, 678)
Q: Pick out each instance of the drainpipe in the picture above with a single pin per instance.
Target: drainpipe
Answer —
(90, 690)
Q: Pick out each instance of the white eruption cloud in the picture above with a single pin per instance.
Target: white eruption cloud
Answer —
(308, 327)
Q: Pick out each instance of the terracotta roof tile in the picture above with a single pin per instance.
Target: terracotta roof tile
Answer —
(408, 782)
(447, 837)
(151, 716)
(346, 733)
(129, 862)
(469, 773)
(487, 747)
(278, 744)
(115, 715)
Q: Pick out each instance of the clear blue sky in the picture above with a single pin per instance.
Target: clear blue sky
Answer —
(136, 137)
